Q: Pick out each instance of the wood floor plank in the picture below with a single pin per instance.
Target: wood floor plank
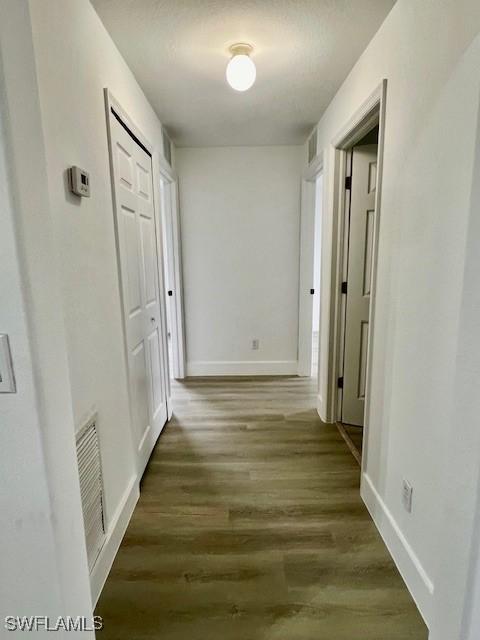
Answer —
(250, 526)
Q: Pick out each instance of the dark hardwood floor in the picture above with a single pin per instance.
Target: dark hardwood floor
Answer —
(250, 527)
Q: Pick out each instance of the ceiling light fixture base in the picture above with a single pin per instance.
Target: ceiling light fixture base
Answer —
(240, 49)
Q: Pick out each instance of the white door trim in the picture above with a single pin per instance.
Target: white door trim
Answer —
(307, 241)
(112, 104)
(370, 113)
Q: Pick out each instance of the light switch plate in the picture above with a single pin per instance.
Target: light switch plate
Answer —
(7, 379)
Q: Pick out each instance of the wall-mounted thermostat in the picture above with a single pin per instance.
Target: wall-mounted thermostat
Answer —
(79, 181)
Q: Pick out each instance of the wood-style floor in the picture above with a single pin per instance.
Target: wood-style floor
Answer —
(353, 437)
(250, 527)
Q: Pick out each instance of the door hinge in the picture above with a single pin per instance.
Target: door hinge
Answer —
(312, 291)
(348, 182)
(340, 383)
(344, 287)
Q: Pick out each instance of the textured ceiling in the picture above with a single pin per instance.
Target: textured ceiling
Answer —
(303, 49)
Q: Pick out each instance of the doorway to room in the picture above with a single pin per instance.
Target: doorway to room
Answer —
(359, 220)
(310, 270)
(357, 156)
(316, 276)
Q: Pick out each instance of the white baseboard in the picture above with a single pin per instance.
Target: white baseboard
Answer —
(416, 578)
(115, 533)
(243, 368)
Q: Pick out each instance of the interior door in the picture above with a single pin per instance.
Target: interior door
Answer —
(138, 261)
(359, 276)
(166, 204)
(172, 260)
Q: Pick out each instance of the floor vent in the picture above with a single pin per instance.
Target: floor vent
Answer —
(91, 488)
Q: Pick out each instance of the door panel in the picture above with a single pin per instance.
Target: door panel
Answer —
(367, 270)
(359, 276)
(362, 377)
(149, 260)
(125, 173)
(143, 176)
(140, 392)
(128, 223)
(157, 387)
(138, 261)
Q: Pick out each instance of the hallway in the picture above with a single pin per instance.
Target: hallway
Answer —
(250, 526)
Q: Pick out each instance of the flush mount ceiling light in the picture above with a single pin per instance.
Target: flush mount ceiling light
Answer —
(241, 70)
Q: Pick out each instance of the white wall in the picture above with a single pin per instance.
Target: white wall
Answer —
(44, 566)
(76, 60)
(430, 54)
(240, 237)
(457, 596)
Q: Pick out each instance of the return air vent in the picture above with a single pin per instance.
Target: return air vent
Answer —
(312, 146)
(167, 146)
(91, 488)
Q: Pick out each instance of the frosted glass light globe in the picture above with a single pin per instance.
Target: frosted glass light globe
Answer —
(241, 72)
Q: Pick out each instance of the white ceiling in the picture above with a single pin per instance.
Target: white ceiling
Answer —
(303, 49)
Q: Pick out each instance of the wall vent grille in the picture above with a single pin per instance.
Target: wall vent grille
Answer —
(312, 146)
(91, 488)
(167, 146)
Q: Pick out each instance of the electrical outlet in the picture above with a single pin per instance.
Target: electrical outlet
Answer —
(255, 344)
(407, 494)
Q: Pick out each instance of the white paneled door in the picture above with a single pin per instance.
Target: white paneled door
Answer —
(138, 261)
(173, 276)
(359, 276)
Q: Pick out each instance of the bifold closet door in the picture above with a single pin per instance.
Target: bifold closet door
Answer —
(138, 261)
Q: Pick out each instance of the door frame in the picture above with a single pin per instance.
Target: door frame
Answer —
(307, 248)
(170, 222)
(112, 105)
(368, 115)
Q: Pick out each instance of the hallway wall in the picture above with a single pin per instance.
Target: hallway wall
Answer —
(240, 234)
(43, 560)
(74, 125)
(429, 52)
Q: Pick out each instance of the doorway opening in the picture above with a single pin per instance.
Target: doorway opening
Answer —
(310, 270)
(316, 275)
(173, 274)
(356, 215)
(360, 192)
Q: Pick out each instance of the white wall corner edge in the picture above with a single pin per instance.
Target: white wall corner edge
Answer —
(115, 532)
(242, 368)
(321, 408)
(416, 578)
